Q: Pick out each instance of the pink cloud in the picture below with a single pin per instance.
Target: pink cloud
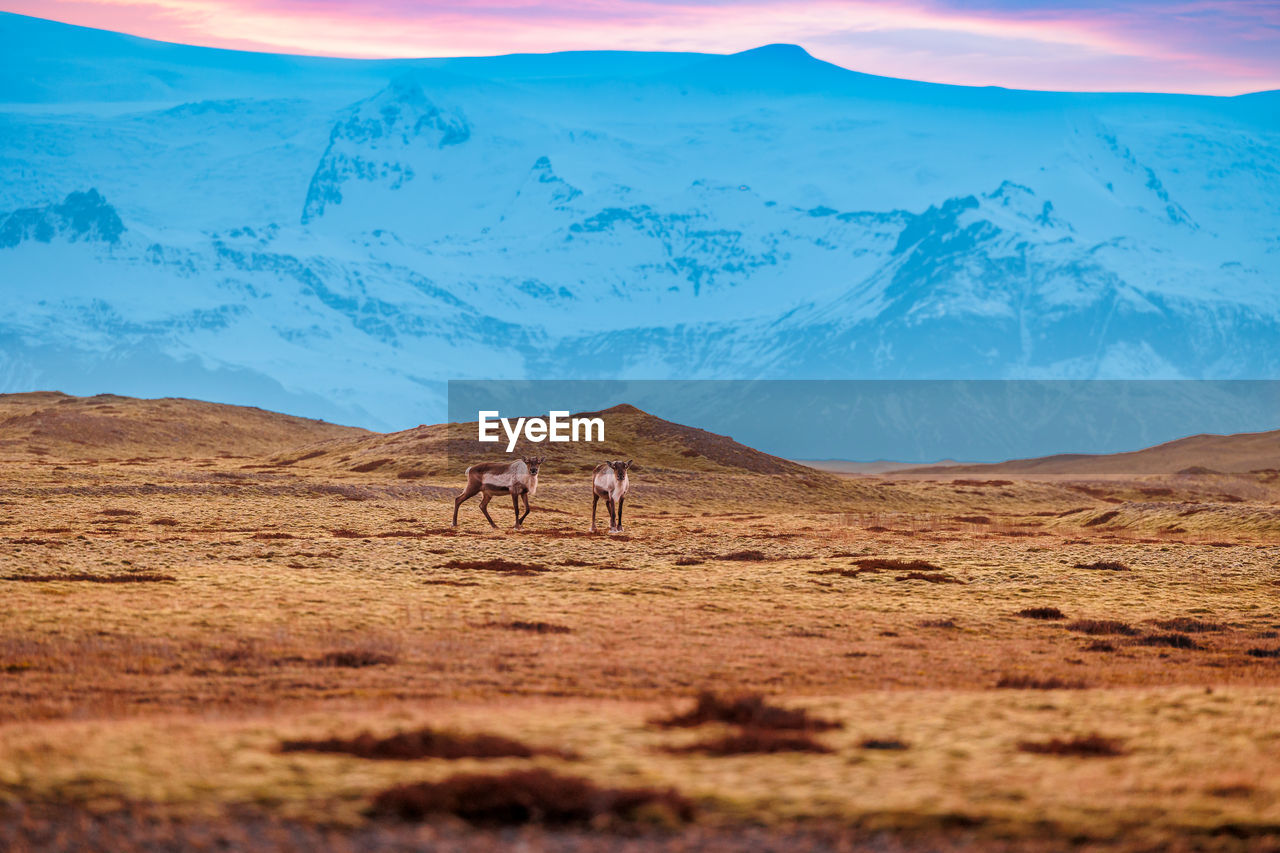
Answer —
(1191, 46)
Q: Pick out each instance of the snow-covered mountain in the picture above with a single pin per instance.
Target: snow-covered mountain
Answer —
(336, 238)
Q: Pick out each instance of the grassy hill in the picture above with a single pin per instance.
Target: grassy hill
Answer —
(1239, 453)
(56, 425)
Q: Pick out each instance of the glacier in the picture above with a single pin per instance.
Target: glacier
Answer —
(337, 238)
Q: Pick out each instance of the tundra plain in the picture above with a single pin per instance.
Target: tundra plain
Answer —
(985, 663)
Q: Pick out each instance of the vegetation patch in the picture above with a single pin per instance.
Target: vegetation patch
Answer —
(688, 561)
(532, 627)
(85, 577)
(748, 556)
(1263, 653)
(754, 741)
(536, 796)
(880, 564)
(497, 564)
(356, 658)
(883, 743)
(1042, 613)
(1109, 515)
(930, 577)
(1020, 681)
(1100, 627)
(1172, 640)
(1187, 625)
(1084, 746)
(939, 623)
(372, 465)
(1104, 566)
(422, 743)
(749, 711)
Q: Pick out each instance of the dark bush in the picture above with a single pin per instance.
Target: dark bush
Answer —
(1102, 627)
(1104, 566)
(531, 796)
(422, 743)
(1188, 625)
(1087, 746)
(497, 564)
(1042, 613)
(750, 711)
(752, 741)
(1173, 641)
(1031, 682)
(355, 658)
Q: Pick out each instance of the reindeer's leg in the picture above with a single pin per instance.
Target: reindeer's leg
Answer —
(595, 501)
(515, 504)
(484, 507)
(613, 519)
(525, 496)
(620, 501)
(466, 495)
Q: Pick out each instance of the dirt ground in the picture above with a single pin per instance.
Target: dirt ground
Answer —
(166, 624)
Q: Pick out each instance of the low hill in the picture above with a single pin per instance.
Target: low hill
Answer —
(50, 423)
(1226, 453)
(656, 445)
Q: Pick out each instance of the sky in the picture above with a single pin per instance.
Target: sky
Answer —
(1218, 47)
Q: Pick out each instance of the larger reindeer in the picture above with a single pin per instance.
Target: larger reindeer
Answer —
(518, 479)
(609, 481)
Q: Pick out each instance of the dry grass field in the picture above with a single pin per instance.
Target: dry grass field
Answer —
(222, 626)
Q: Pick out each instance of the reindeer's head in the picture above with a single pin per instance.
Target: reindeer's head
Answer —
(533, 463)
(620, 468)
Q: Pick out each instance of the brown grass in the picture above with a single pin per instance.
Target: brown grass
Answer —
(1188, 625)
(749, 711)
(747, 556)
(1083, 746)
(1103, 566)
(531, 796)
(1020, 681)
(888, 744)
(356, 658)
(420, 743)
(1041, 613)
(497, 564)
(753, 741)
(86, 577)
(1102, 627)
(929, 577)
(533, 627)
(1172, 640)
(880, 564)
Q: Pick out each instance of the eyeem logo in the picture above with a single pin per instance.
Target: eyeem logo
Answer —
(556, 426)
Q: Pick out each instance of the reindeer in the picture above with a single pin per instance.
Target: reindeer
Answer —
(609, 481)
(518, 479)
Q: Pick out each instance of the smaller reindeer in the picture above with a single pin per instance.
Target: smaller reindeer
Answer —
(609, 481)
(518, 479)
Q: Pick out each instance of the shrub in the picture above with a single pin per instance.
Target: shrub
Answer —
(133, 577)
(497, 564)
(754, 741)
(688, 561)
(1101, 627)
(1042, 613)
(355, 658)
(422, 743)
(885, 743)
(745, 556)
(1172, 640)
(1104, 566)
(750, 711)
(1086, 746)
(1031, 682)
(1102, 519)
(533, 627)
(530, 796)
(880, 564)
(931, 577)
(1264, 653)
(1188, 625)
